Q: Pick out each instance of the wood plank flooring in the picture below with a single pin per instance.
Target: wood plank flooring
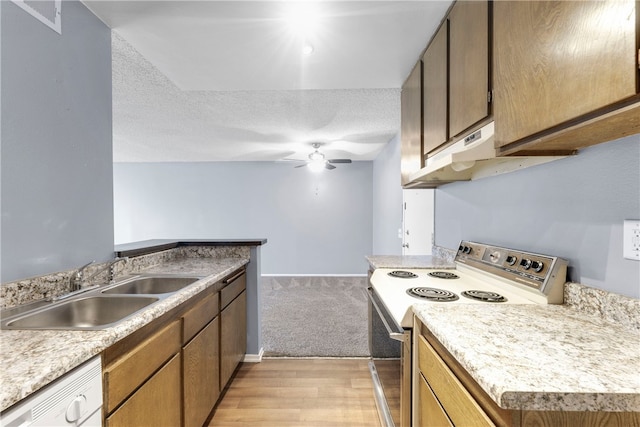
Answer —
(299, 393)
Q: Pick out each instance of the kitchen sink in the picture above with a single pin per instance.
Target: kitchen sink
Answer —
(85, 313)
(152, 285)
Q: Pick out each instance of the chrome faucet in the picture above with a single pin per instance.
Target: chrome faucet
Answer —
(77, 277)
(78, 281)
(110, 267)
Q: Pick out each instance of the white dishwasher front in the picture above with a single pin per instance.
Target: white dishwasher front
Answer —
(75, 399)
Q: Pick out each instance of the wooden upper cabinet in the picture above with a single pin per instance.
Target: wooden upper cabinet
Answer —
(559, 60)
(411, 124)
(468, 65)
(434, 89)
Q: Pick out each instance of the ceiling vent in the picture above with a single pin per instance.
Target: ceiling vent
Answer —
(49, 12)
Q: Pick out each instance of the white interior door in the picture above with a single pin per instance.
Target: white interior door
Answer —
(417, 221)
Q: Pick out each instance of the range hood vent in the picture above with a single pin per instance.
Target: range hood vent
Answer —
(472, 157)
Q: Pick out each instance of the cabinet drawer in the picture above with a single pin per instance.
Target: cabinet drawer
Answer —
(235, 286)
(430, 412)
(156, 403)
(459, 405)
(201, 314)
(128, 372)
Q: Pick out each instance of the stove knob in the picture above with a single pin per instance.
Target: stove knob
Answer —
(511, 259)
(537, 266)
(467, 249)
(526, 263)
(461, 248)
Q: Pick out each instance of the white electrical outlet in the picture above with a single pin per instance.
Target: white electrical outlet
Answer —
(631, 239)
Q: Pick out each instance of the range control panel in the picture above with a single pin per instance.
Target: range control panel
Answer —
(534, 270)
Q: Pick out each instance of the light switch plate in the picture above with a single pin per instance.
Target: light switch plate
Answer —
(631, 239)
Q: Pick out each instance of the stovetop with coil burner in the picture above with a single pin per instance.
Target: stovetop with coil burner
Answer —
(484, 274)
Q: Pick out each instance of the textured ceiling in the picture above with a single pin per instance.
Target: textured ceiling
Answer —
(225, 80)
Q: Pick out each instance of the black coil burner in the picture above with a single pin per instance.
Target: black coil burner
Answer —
(403, 274)
(485, 296)
(432, 294)
(444, 275)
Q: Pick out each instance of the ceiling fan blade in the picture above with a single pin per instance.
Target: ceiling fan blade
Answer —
(328, 166)
(339, 160)
(301, 166)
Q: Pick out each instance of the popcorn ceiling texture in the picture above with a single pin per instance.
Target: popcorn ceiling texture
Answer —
(155, 121)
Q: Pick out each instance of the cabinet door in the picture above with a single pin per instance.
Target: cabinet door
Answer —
(233, 337)
(434, 87)
(156, 403)
(468, 64)
(201, 375)
(411, 124)
(557, 60)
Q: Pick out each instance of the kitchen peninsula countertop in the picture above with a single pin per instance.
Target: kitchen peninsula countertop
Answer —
(565, 360)
(31, 359)
(155, 245)
(408, 261)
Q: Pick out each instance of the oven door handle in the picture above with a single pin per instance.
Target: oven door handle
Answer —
(394, 335)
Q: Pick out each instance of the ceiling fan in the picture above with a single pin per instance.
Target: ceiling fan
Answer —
(317, 160)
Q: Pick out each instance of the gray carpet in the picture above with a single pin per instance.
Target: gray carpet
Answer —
(314, 316)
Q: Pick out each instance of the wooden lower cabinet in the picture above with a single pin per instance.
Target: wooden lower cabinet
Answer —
(447, 395)
(171, 371)
(156, 403)
(201, 374)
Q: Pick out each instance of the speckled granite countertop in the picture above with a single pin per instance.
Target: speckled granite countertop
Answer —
(564, 361)
(408, 261)
(30, 360)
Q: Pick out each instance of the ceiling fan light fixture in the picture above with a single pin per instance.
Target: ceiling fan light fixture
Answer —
(316, 156)
(317, 165)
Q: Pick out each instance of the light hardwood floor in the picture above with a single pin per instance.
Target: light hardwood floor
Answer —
(299, 393)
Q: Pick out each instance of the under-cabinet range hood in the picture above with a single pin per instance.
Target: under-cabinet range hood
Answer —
(471, 157)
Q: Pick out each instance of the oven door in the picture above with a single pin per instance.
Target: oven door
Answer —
(390, 347)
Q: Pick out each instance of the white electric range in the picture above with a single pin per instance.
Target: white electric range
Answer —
(483, 274)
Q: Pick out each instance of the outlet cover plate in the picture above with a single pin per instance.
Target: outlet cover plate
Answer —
(631, 239)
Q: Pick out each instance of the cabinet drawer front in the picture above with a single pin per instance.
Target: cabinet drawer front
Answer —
(232, 290)
(127, 373)
(201, 314)
(460, 406)
(430, 412)
(157, 403)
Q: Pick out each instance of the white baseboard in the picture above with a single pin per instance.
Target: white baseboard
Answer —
(254, 358)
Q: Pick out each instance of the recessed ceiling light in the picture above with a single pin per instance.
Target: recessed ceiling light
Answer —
(307, 49)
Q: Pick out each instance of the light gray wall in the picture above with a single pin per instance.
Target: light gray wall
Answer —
(314, 223)
(387, 200)
(573, 208)
(56, 162)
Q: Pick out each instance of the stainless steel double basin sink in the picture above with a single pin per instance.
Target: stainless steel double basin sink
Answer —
(100, 308)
